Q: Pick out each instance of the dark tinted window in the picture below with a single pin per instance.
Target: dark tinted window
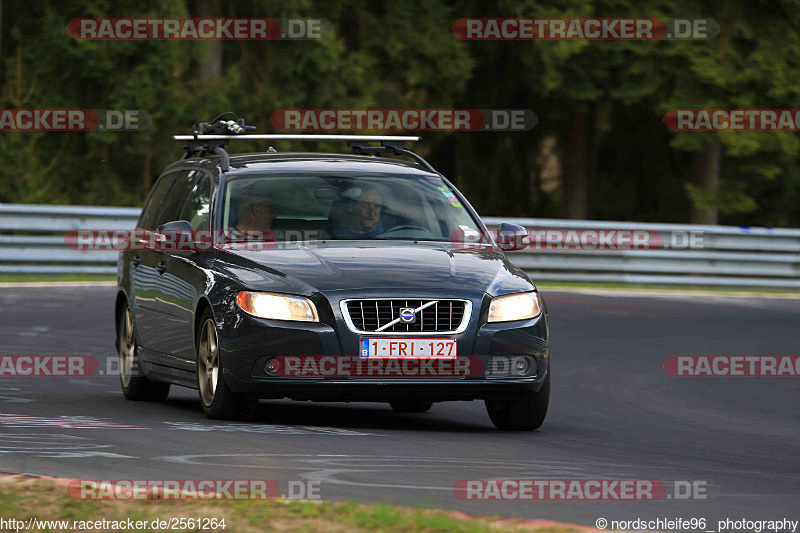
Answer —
(176, 198)
(198, 205)
(155, 202)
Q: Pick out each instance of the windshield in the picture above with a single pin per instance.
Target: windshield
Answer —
(307, 207)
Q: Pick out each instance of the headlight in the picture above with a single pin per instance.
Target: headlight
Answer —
(277, 306)
(520, 306)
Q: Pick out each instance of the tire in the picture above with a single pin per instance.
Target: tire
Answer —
(135, 386)
(526, 412)
(411, 406)
(217, 399)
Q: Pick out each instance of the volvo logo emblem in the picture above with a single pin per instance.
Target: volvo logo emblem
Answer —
(407, 315)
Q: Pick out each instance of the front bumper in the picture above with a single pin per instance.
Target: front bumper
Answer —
(381, 390)
(247, 343)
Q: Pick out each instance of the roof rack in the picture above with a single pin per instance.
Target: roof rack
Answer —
(392, 144)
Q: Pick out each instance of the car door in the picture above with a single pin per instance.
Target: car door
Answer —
(143, 262)
(152, 297)
(185, 277)
(173, 204)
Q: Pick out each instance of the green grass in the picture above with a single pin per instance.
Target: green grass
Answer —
(22, 278)
(556, 285)
(48, 500)
(544, 286)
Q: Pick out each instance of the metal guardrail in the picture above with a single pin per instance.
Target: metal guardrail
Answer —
(727, 256)
(31, 241)
(32, 238)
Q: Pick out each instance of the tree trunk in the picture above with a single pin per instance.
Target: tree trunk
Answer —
(705, 176)
(210, 67)
(575, 176)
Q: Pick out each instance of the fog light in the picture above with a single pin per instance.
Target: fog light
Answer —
(272, 366)
(522, 366)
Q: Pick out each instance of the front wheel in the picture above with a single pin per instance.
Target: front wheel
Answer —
(525, 412)
(134, 386)
(217, 399)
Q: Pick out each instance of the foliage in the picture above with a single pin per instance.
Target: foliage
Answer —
(403, 54)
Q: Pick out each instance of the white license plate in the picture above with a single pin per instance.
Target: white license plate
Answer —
(398, 348)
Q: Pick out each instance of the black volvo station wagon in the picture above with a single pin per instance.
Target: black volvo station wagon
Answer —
(358, 286)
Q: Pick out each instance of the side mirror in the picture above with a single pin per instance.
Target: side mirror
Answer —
(176, 226)
(175, 236)
(511, 237)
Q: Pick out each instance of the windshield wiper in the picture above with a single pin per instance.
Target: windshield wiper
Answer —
(380, 237)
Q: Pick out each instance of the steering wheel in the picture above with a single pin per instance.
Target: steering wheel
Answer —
(406, 227)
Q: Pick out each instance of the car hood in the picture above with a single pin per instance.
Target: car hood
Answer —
(382, 266)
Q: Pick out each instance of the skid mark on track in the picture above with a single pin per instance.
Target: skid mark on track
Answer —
(13, 395)
(66, 422)
(55, 446)
(331, 468)
(265, 428)
(34, 331)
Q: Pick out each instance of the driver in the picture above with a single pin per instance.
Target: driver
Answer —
(255, 216)
(364, 215)
(256, 211)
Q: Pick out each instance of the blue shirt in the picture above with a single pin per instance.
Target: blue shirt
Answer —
(347, 233)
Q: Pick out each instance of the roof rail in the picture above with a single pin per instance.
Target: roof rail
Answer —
(297, 137)
(394, 147)
(392, 144)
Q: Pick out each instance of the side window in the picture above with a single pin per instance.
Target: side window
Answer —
(155, 202)
(198, 205)
(173, 203)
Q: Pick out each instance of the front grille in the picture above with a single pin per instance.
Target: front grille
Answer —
(443, 316)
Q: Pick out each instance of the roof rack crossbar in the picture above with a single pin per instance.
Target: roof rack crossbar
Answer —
(393, 144)
(394, 147)
(295, 137)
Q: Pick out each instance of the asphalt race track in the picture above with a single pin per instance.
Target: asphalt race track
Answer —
(614, 413)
